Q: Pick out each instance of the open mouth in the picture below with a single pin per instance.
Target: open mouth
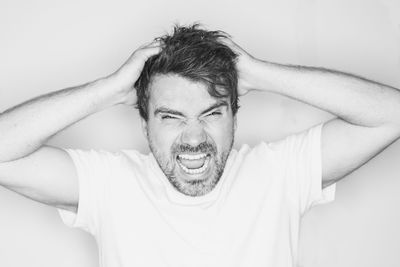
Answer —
(194, 163)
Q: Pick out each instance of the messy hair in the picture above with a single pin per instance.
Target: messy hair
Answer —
(195, 54)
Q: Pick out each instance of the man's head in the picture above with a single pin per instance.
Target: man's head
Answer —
(187, 98)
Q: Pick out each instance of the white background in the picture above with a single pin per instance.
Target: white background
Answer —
(48, 45)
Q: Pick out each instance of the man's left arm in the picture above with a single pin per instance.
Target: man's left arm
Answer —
(368, 113)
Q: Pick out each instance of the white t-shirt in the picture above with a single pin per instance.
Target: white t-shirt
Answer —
(251, 218)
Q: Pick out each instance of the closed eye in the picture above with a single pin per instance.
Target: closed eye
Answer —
(214, 113)
(168, 117)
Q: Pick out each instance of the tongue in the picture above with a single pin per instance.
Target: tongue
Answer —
(193, 164)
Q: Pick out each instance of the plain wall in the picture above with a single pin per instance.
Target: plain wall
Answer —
(48, 45)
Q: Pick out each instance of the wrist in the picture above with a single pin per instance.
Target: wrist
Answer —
(260, 74)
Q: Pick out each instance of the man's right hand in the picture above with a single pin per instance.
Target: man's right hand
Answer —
(126, 76)
(47, 174)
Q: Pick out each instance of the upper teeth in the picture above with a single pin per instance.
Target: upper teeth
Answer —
(192, 157)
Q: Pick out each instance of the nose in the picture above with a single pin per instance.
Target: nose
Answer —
(194, 134)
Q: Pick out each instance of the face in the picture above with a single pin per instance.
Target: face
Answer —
(190, 133)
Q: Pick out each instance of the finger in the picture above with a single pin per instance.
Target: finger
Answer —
(145, 51)
(234, 46)
(229, 43)
(225, 40)
(151, 44)
(150, 51)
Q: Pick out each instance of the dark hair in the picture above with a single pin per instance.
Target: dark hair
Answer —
(195, 54)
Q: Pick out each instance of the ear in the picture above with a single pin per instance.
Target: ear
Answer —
(144, 126)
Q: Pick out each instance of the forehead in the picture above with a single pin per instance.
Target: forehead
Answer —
(179, 93)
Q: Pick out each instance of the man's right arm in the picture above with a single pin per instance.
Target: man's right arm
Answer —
(45, 173)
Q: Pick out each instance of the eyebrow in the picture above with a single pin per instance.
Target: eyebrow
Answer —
(167, 110)
(220, 103)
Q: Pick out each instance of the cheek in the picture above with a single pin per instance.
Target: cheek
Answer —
(222, 134)
(162, 138)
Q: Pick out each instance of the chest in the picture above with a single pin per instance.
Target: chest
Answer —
(240, 229)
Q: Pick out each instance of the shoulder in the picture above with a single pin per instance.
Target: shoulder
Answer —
(106, 160)
(260, 150)
(257, 158)
(298, 141)
(281, 149)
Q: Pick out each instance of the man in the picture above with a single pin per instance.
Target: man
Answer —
(195, 201)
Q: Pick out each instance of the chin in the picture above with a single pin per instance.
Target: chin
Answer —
(192, 172)
(195, 184)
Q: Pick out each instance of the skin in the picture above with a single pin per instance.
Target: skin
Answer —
(44, 173)
(367, 121)
(367, 113)
(185, 119)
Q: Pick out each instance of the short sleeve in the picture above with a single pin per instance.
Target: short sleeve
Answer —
(302, 154)
(92, 168)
